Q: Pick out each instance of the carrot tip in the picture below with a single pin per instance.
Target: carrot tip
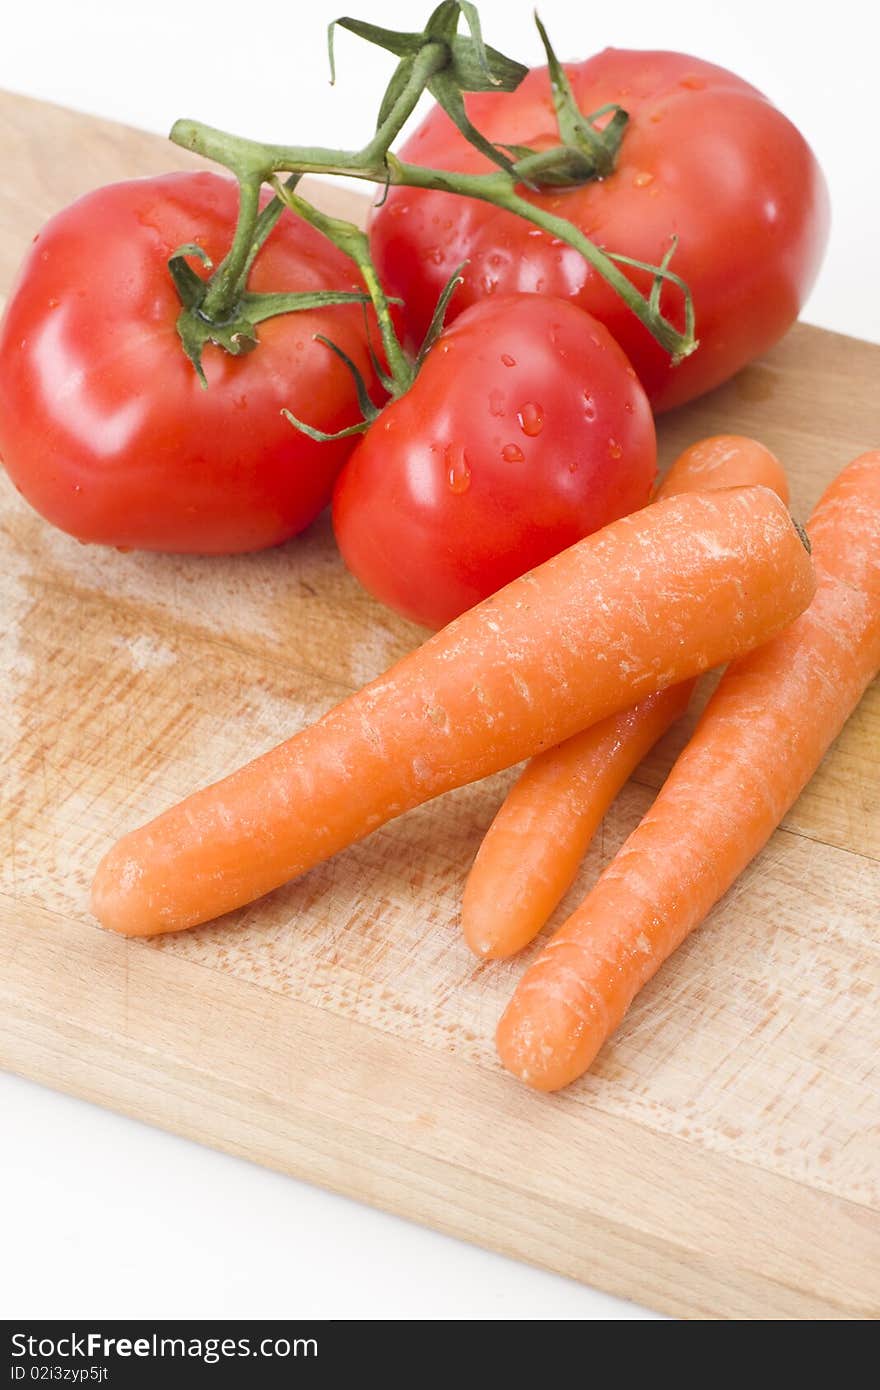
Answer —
(484, 947)
(543, 1042)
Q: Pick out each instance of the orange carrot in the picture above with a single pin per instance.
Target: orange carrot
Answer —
(724, 460)
(649, 601)
(532, 850)
(759, 741)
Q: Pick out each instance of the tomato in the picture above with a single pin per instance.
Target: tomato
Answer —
(705, 157)
(104, 426)
(525, 430)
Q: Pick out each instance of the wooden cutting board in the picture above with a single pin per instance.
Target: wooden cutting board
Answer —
(722, 1157)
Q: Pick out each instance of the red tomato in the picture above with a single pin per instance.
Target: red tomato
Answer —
(104, 426)
(704, 156)
(525, 430)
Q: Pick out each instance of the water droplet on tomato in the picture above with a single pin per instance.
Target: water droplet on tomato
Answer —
(692, 82)
(458, 472)
(628, 407)
(53, 303)
(573, 466)
(512, 453)
(496, 401)
(643, 179)
(508, 360)
(555, 334)
(614, 449)
(589, 406)
(496, 260)
(531, 418)
(434, 255)
(489, 285)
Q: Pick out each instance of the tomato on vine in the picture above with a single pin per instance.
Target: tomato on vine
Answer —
(700, 155)
(525, 430)
(105, 426)
(164, 385)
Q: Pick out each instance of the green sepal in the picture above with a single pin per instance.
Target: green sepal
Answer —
(387, 381)
(189, 284)
(661, 275)
(368, 410)
(394, 89)
(475, 66)
(613, 132)
(598, 147)
(501, 74)
(518, 151)
(259, 307)
(447, 93)
(400, 44)
(438, 318)
(321, 436)
(195, 332)
(238, 334)
(563, 166)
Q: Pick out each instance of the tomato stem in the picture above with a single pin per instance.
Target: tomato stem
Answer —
(446, 64)
(225, 285)
(430, 60)
(355, 244)
(597, 148)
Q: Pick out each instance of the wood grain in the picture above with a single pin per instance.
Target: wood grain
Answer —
(720, 1161)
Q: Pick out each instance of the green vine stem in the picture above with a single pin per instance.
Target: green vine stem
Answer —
(497, 187)
(354, 243)
(445, 63)
(248, 162)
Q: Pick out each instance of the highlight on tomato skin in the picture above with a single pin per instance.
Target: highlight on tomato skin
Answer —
(526, 429)
(104, 425)
(704, 156)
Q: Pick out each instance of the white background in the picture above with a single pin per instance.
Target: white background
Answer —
(102, 1216)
